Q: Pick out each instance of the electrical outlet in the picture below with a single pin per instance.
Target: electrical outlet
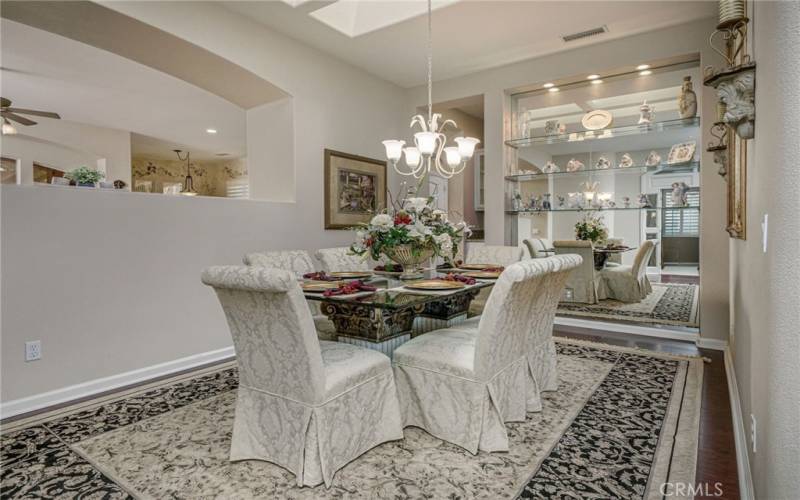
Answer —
(753, 433)
(33, 350)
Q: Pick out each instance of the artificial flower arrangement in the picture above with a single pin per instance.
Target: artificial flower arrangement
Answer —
(591, 228)
(409, 232)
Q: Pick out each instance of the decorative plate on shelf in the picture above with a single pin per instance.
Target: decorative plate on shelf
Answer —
(435, 285)
(484, 275)
(477, 267)
(348, 275)
(682, 153)
(597, 119)
(319, 286)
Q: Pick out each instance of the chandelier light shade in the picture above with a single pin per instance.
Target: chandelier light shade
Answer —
(430, 143)
(8, 129)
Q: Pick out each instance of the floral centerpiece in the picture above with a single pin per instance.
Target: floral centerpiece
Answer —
(591, 228)
(85, 176)
(410, 233)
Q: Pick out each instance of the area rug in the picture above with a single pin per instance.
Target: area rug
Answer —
(668, 304)
(622, 423)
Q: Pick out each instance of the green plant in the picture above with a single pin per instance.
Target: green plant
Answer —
(591, 228)
(84, 175)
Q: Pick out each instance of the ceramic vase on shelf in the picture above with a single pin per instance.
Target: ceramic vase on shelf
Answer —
(687, 101)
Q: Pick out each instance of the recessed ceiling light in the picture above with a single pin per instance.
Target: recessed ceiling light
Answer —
(553, 89)
(211, 130)
(646, 72)
(597, 81)
(642, 67)
(548, 85)
(593, 77)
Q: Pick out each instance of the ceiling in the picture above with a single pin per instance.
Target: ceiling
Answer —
(468, 36)
(88, 85)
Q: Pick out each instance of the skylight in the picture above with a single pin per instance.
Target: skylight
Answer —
(359, 17)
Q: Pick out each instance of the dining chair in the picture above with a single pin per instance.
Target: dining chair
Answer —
(630, 283)
(339, 259)
(463, 383)
(298, 262)
(539, 248)
(308, 406)
(491, 254)
(583, 283)
(614, 259)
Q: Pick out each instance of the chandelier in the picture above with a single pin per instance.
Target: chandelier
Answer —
(188, 182)
(430, 143)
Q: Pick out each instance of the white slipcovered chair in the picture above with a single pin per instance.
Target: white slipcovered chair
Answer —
(339, 259)
(539, 248)
(309, 406)
(495, 254)
(614, 259)
(462, 384)
(298, 262)
(630, 283)
(553, 273)
(491, 254)
(582, 284)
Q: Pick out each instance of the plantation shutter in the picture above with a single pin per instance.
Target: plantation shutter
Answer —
(681, 221)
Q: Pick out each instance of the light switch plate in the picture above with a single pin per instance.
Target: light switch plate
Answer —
(764, 232)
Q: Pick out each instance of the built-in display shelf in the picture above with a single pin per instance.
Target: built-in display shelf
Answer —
(604, 134)
(692, 166)
(603, 209)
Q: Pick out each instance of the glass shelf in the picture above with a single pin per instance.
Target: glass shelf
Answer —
(605, 209)
(691, 166)
(604, 134)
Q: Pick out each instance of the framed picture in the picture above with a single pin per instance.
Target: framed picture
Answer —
(681, 153)
(355, 189)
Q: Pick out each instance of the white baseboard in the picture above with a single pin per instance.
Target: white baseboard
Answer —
(713, 344)
(100, 385)
(746, 490)
(646, 331)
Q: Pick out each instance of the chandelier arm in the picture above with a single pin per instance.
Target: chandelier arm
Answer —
(446, 122)
(440, 140)
(421, 121)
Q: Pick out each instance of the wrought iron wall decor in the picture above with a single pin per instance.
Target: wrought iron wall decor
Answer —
(735, 123)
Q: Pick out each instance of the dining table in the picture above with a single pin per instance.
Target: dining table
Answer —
(394, 313)
(601, 254)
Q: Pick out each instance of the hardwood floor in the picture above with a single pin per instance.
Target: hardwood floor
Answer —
(716, 452)
(679, 278)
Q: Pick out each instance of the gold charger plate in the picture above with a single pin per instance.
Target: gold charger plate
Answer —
(319, 286)
(350, 274)
(477, 267)
(435, 285)
(483, 275)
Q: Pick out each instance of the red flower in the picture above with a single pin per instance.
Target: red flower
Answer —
(368, 242)
(402, 219)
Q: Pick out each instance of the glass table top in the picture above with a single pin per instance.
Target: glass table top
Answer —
(392, 294)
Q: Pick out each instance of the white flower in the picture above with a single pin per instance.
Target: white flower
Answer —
(382, 221)
(418, 230)
(440, 214)
(444, 241)
(416, 204)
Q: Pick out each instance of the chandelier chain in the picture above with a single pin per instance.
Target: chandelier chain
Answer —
(430, 64)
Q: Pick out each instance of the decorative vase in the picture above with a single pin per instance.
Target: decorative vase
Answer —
(410, 257)
(687, 101)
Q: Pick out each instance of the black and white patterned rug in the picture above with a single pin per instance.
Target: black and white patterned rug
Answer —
(668, 304)
(622, 423)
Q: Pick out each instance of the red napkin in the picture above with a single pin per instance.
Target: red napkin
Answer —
(458, 277)
(348, 288)
(318, 276)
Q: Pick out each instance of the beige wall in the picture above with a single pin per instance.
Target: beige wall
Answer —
(684, 39)
(766, 300)
(461, 188)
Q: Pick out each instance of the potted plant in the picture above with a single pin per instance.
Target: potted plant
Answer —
(409, 234)
(591, 228)
(85, 176)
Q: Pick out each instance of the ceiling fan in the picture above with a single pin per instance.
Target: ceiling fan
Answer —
(14, 114)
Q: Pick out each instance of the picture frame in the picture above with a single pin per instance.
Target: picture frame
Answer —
(355, 189)
(682, 153)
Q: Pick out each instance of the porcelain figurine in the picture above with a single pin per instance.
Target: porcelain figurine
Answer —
(574, 165)
(550, 168)
(536, 203)
(643, 201)
(612, 204)
(553, 127)
(687, 101)
(561, 201)
(574, 200)
(646, 113)
(602, 163)
(626, 201)
(653, 159)
(680, 194)
(516, 201)
(546, 205)
(625, 161)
